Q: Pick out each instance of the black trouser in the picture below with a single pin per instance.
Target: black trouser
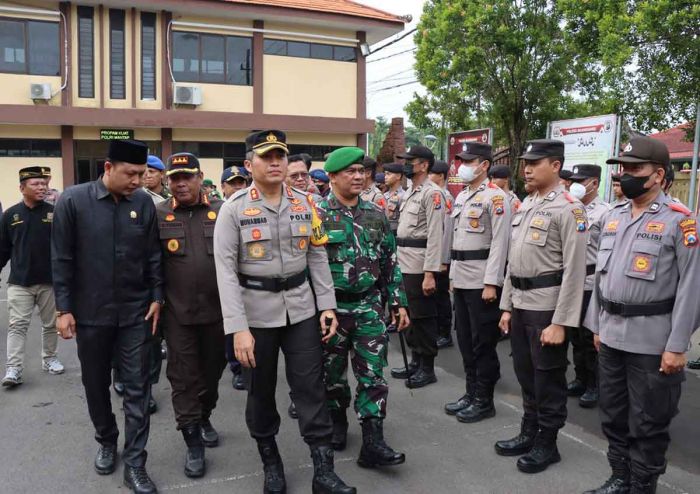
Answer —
(155, 361)
(541, 370)
(422, 334)
(195, 364)
(301, 344)
(476, 324)
(444, 304)
(233, 364)
(130, 347)
(637, 403)
(585, 355)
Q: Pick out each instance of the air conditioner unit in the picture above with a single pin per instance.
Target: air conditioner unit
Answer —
(187, 95)
(40, 91)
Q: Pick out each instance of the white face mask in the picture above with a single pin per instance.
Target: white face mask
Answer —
(578, 190)
(467, 173)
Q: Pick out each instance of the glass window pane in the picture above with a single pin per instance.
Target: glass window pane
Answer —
(148, 55)
(46, 148)
(117, 68)
(86, 67)
(234, 151)
(298, 49)
(275, 47)
(213, 60)
(324, 52)
(12, 56)
(211, 150)
(344, 53)
(186, 57)
(44, 48)
(239, 61)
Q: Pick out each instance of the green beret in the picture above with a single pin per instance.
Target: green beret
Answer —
(341, 158)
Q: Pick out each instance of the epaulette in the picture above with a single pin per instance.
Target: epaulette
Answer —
(621, 204)
(676, 206)
(492, 185)
(238, 194)
(300, 191)
(569, 197)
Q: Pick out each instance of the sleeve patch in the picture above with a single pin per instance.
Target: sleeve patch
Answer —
(580, 217)
(689, 228)
(498, 204)
(437, 200)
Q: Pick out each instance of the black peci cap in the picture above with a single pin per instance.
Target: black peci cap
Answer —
(128, 151)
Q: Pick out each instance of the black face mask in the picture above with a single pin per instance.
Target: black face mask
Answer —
(408, 170)
(633, 187)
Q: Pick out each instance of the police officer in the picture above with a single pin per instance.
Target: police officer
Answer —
(618, 196)
(393, 176)
(478, 233)
(362, 256)
(107, 278)
(584, 187)
(499, 175)
(233, 179)
(321, 181)
(192, 318)
(153, 180)
(643, 316)
(268, 240)
(542, 295)
(565, 178)
(420, 240)
(371, 192)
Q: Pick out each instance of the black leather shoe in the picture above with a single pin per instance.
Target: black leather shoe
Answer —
(375, 452)
(325, 480)
(238, 382)
(106, 459)
(275, 483)
(403, 373)
(589, 399)
(575, 388)
(118, 388)
(137, 479)
(292, 411)
(646, 485)
(444, 342)
(339, 438)
(421, 379)
(152, 405)
(209, 435)
(520, 444)
(195, 464)
(479, 410)
(694, 364)
(614, 485)
(459, 405)
(543, 453)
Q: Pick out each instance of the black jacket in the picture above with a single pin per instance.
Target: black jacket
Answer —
(25, 239)
(106, 257)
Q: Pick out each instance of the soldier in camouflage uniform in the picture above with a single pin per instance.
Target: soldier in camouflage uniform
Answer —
(362, 256)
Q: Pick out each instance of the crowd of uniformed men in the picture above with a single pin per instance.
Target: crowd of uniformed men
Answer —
(323, 265)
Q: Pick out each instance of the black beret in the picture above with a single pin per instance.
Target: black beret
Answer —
(499, 171)
(393, 168)
(128, 151)
(368, 162)
(565, 174)
(440, 167)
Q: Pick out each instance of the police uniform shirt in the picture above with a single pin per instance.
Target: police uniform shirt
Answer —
(393, 203)
(650, 258)
(373, 194)
(514, 201)
(480, 221)
(157, 198)
(595, 210)
(548, 236)
(422, 214)
(25, 240)
(254, 238)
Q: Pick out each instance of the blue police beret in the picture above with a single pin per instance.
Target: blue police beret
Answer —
(155, 162)
(319, 175)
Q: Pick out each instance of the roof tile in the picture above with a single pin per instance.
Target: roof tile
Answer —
(344, 7)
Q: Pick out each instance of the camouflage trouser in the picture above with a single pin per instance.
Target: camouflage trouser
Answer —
(362, 331)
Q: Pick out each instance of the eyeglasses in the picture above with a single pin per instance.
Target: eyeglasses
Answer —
(299, 176)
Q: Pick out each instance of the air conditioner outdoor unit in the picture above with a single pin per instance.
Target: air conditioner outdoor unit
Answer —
(187, 95)
(40, 91)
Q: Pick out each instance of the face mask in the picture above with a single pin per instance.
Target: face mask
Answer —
(467, 173)
(408, 170)
(633, 187)
(578, 190)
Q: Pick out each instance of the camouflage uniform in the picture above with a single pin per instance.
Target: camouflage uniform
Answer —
(362, 257)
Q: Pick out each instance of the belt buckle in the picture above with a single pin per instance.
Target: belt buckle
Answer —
(283, 283)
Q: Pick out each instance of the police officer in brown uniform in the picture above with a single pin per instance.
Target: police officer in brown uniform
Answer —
(477, 236)
(419, 241)
(393, 176)
(542, 295)
(192, 321)
(643, 316)
(268, 241)
(371, 193)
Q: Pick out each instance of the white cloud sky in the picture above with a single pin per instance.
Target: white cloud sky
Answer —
(395, 70)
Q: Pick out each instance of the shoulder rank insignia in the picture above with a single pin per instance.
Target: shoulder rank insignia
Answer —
(689, 228)
(551, 195)
(655, 207)
(254, 194)
(569, 197)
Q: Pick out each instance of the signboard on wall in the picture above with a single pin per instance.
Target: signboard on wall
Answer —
(111, 134)
(456, 143)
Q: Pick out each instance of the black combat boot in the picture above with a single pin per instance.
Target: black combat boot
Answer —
(106, 459)
(465, 400)
(543, 453)
(340, 429)
(619, 481)
(423, 376)
(375, 451)
(195, 465)
(137, 479)
(520, 444)
(403, 372)
(481, 408)
(575, 387)
(325, 479)
(209, 434)
(643, 485)
(589, 399)
(273, 467)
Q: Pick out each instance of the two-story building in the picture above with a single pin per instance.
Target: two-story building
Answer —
(182, 75)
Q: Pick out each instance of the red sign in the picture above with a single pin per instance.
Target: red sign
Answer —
(456, 143)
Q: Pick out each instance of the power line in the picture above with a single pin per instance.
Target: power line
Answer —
(392, 55)
(393, 87)
(407, 33)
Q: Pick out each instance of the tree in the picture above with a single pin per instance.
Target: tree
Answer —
(500, 63)
(376, 139)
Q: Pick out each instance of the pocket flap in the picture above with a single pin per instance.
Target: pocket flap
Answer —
(606, 243)
(517, 219)
(255, 233)
(208, 228)
(647, 248)
(540, 223)
(475, 212)
(335, 236)
(171, 231)
(300, 229)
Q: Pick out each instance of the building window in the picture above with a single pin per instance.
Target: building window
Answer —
(317, 152)
(148, 56)
(117, 63)
(32, 148)
(29, 47)
(212, 58)
(86, 52)
(317, 51)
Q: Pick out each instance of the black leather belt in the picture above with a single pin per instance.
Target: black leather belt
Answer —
(544, 281)
(469, 255)
(590, 269)
(631, 310)
(272, 284)
(421, 243)
(350, 298)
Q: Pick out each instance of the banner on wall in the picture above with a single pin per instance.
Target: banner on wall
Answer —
(456, 143)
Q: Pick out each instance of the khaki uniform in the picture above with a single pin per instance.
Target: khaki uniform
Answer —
(393, 204)
(373, 194)
(543, 286)
(514, 201)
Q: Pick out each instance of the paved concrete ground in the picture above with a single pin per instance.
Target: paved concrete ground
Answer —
(46, 440)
